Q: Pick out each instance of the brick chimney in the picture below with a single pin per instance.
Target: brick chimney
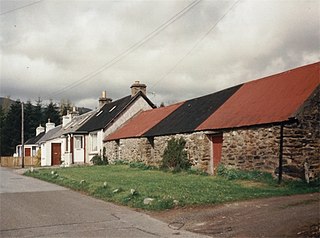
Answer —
(137, 87)
(103, 99)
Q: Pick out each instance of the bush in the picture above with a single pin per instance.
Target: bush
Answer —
(174, 156)
(97, 160)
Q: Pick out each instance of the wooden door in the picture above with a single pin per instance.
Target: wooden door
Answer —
(216, 150)
(55, 153)
(27, 152)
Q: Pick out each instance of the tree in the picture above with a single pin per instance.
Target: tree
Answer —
(12, 129)
(37, 114)
(29, 124)
(65, 106)
(51, 112)
(2, 137)
(174, 156)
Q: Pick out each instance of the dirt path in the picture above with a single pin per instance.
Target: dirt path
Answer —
(289, 216)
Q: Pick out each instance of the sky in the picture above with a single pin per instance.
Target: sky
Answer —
(181, 49)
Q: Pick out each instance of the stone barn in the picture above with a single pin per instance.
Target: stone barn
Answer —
(269, 124)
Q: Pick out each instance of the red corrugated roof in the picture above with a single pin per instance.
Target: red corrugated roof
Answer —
(143, 122)
(272, 99)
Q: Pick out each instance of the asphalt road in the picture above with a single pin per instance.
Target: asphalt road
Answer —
(33, 208)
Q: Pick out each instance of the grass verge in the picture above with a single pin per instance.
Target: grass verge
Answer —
(129, 186)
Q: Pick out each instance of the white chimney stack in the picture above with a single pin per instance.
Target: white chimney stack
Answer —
(49, 125)
(39, 129)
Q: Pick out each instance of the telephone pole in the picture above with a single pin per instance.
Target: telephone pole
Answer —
(22, 135)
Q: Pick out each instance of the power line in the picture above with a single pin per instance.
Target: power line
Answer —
(195, 45)
(21, 7)
(130, 49)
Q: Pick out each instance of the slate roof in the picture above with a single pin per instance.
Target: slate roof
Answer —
(268, 100)
(109, 112)
(191, 113)
(52, 134)
(143, 122)
(34, 140)
(77, 122)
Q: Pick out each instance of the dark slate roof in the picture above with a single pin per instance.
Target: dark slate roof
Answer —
(34, 140)
(53, 133)
(109, 112)
(191, 113)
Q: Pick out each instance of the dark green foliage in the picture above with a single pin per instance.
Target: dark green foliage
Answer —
(141, 165)
(51, 112)
(12, 129)
(233, 174)
(2, 123)
(174, 156)
(98, 160)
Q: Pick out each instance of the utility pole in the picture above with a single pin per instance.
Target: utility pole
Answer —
(22, 134)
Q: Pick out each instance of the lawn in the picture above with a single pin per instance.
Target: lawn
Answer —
(129, 186)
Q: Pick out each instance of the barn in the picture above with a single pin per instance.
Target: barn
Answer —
(269, 124)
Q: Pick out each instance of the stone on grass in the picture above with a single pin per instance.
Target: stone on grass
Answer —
(133, 191)
(82, 181)
(148, 201)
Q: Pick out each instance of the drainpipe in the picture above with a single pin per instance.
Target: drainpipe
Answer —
(280, 153)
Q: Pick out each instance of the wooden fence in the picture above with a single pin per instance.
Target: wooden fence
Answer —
(16, 162)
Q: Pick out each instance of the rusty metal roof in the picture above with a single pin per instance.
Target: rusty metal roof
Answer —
(138, 125)
(268, 100)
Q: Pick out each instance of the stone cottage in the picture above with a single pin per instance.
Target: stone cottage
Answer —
(269, 124)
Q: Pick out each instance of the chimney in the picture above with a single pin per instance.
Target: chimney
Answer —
(39, 129)
(137, 87)
(66, 119)
(103, 99)
(49, 125)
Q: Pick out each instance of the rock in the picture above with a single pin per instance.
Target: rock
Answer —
(53, 172)
(133, 191)
(148, 201)
(105, 184)
(82, 181)
(116, 190)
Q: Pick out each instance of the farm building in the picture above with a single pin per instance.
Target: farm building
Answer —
(258, 125)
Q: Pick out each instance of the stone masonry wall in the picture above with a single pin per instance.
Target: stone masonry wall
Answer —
(258, 147)
(301, 145)
(251, 148)
(143, 150)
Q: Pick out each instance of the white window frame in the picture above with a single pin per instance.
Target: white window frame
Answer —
(94, 141)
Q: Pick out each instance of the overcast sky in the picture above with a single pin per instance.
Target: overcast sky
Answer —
(181, 49)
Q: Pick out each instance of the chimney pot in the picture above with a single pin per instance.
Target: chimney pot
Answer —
(103, 99)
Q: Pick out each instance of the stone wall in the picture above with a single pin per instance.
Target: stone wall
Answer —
(257, 147)
(251, 148)
(301, 143)
(150, 151)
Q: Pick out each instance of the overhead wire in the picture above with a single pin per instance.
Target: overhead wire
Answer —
(129, 50)
(19, 8)
(195, 45)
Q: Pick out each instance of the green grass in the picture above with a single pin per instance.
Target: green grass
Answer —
(166, 188)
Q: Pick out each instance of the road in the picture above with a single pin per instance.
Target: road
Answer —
(33, 208)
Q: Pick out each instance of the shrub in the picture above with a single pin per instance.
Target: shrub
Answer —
(97, 160)
(174, 156)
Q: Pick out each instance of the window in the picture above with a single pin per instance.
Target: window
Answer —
(94, 140)
(78, 142)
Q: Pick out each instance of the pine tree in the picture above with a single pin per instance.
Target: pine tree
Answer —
(37, 114)
(29, 124)
(12, 129)
(51, 112)
(2, 135)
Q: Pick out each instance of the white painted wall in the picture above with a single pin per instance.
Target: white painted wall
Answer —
(46, 150)
(139, 105)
